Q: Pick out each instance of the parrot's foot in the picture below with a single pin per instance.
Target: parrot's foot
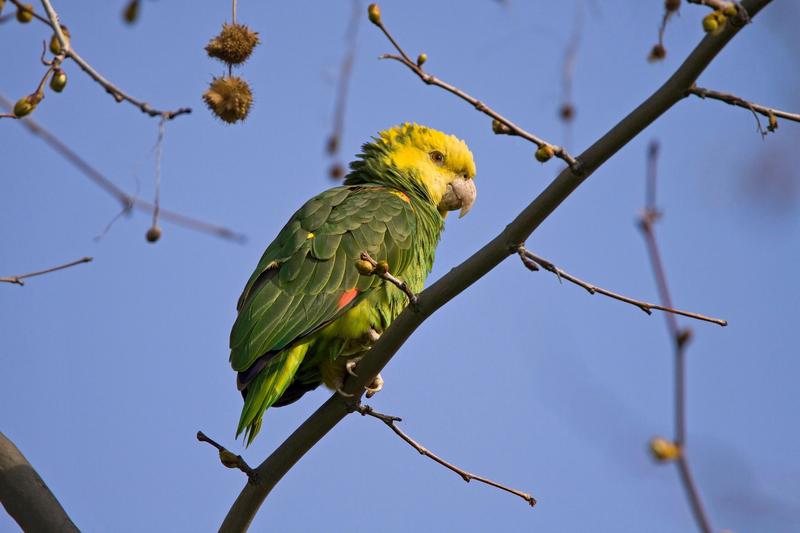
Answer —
(375, 387)
(350, 365)
(343, 393)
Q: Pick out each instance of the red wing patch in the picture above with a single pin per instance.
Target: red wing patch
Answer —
(346, 298)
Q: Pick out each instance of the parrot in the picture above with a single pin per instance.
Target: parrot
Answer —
(308, 313)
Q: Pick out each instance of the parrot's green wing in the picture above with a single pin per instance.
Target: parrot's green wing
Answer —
(306, 279)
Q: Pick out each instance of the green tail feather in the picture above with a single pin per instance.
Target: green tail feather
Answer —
(265, 390)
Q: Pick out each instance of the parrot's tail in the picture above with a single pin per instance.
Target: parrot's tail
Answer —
(263, 391)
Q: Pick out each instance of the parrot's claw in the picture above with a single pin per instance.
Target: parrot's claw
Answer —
(350, 365)
(375, 387)
(343, 393)
(373, 336)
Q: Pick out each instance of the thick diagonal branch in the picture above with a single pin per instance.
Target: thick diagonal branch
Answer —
(274, 467)
(390, 421)
(25, 495)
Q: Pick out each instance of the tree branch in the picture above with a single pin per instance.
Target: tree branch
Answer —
(118, 94)
(17, 280)
(756, 109)
(381, 269)
(533, 262)
(680, 340)
(127, 201)
(366, 410)
(25, 495)
(274, 467)
(228, 458)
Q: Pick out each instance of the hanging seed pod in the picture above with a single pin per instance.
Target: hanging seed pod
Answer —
(59, 80)
(234, 44)
(25, 13)
(229, 98)
(131, 12)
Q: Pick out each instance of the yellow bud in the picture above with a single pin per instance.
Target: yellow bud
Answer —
(382, 268)
(664, 450)
(55, 44)
(374, 13)
(773, 122)
(228, 459)
(364, 267)
(27, 104)
(59, 80)
(131, 12)
(153, 234)
(710, 23)
(421, 59)
(544, 153)
(25, 13)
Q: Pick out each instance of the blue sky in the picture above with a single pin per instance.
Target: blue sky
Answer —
(110, 368)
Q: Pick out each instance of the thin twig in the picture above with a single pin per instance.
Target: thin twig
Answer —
(127, 201)
(112, 89)
(389, 420)
(228, 458)
(756, 109)
(17, 280)
(680, 340)
(532, 262)
(381, 270)
(345, 73)
(157, 198)
(509, 127)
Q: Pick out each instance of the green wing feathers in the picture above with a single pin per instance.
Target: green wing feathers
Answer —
(299, 283)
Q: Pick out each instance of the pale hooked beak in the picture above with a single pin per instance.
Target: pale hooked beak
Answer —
(460, 194)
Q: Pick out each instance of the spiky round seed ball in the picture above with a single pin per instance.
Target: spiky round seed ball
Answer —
(672, 5)
(234, 44)
(229, 98)
(710, 23)
(657, 53)
(544, 153)
(55, 44)
(664, 450)
(27, 104)
(58, 81)
(153, 234)
(25, 13)
(374, 14)
(364, 267)
(131, 12)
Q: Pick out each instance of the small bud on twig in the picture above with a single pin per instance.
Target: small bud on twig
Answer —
(544, 153)
(374, 14)
(59, 80)
(664, 450)
(421, 59)
(55, 44)
(27, 104)
(25, 13)
(131, 12)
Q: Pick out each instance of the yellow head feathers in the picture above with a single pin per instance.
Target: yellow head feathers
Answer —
(433, 157)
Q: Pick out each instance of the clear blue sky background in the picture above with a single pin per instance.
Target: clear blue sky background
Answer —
(107, 370)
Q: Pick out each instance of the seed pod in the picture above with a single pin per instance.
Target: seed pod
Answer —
(544, 153)
(55, 44)
(657, 53)
(131, 12)
(153, 234)
(25, 13)
(374, 14)
(229, 98)
(672, 5)
(59, 80)
(364, 267)
(233, 45)
(27, 104)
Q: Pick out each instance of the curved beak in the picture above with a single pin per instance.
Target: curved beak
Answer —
(460, 194)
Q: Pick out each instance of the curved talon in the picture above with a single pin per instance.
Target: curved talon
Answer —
(375, 386)
(349, 366)
(343, 393)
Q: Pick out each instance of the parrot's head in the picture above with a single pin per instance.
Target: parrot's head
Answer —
(438, 164)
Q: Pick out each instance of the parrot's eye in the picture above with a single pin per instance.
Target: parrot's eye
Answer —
(437, 157)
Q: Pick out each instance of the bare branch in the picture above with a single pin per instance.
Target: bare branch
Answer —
(127, 201)
(381, 269)
(274, 467)
(532, 262)
(680, 340)
(228, 458)
(25, 495)
(17, 280)
(509, 128)
(756, 109)
(389, 420)
(118, 94)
